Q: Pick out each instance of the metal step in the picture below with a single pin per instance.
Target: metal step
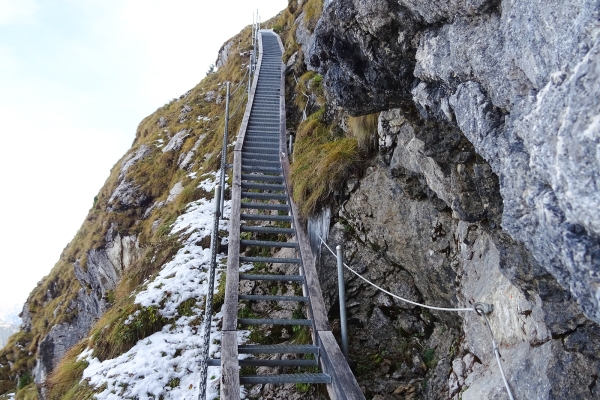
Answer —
(265, 206)
(254, 362)
(262, 186)
(264, 196)
(274, 260)
(261, 178)
(278, 348)
(259, 156)
(252, 168)
(268, 243)
(267, 229)
(260, 163)
(261, 150)
(269, 321)
(261, 136)
(253, 297)
(262, 217)
(284, 378)
(272, 278)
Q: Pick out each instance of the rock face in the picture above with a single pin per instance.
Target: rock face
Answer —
(518, 80)
(101, 274)
(485, 188)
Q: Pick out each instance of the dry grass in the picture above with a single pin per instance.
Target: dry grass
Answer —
(312, 12)
(60, 384)
(364, 130)
(155, 176)
(321, 163)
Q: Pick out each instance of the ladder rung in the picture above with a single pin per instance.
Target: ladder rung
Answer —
(250, 155)
(264, 206)
(256, 148)
(262, 186)
(278, 363)
(264, 196)
(254, 297)
(271, 260)
(253, 168)
(277, 348)
(278, 278)
(262, 178)
(267, 243)
(262, 217)
(284, 378)
(273, 321)
(267, 229)
(260, 163)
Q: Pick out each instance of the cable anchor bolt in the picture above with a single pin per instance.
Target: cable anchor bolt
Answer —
(483, 308)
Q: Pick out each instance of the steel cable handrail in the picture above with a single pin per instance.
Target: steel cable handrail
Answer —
(240, 84)
(478, 308)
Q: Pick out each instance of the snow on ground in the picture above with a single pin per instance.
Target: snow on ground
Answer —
(167, 363)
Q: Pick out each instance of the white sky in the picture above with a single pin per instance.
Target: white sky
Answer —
(76, 78)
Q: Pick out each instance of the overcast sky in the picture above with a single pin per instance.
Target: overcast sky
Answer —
(76, 78)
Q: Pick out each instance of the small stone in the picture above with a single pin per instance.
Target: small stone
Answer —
(452, 384)
(458, 367)
(468, 359)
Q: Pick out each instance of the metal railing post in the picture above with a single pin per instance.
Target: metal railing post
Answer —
(342, 289)
(214, 247)
(290, 145)
(224, 153)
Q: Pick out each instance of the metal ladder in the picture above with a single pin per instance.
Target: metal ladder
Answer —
(263, 200)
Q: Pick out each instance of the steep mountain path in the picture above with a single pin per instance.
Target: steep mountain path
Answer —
(264, 218)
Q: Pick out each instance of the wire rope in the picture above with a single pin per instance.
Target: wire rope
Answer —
(478, 309)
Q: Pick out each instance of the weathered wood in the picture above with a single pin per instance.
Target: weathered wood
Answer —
(317, 305)
(230, 306)
(242, 131)
(230, 371)
(343, 381)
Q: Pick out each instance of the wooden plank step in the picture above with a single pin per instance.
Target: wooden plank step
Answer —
(284, 378)
(276, 278)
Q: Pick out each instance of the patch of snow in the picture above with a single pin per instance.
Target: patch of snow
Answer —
(167, 363)
(176, 141)
(202, 118)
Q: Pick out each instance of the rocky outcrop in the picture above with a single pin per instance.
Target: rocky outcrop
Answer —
(223, 55)
(519, 80)
(100, 275)
(484, 189)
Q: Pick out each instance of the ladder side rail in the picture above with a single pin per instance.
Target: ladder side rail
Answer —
(230, 377)
(343, 383)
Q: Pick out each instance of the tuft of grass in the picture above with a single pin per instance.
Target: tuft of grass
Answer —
(364, 129)
(312, 12)
(321, 163)
(64, 381)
